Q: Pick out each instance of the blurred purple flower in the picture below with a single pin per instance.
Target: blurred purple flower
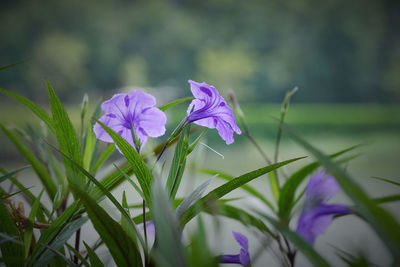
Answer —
(316, 215)
(134, 111)
(243, 257)
(209, 109)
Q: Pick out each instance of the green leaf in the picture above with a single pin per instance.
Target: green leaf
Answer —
(132, 227)
(39, 112)
(288, 190)
(78, 255)
(12, 65)
(177, 166)
(228, 187)
(90, 142)
(140, 169)
(246, 187)
(122, 248)
(61, 238)
(66, 137)
(94, 259)
(176, 102)
(51, 234)
(239, 215)
(169, 250)
(10, 174)
(103, 157)
(192, 198)
(135, 186)
(10, 250)
(37, 166)
(384, 224)
(386, 199)
(386, 180)
(111, 181)
(29, 227)
(298, 241)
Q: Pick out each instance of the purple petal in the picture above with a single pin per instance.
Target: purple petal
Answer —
(230, 259)
(322, 187)
(203, 90)
(225, 131)
(150, 229)
(241, 239)
(316, 221)
(153, 121)
(112, 123)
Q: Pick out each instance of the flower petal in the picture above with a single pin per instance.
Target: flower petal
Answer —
(112, 123)
(225, 131)
(241, 239)
(152, 121)
(203, 90)
(322, 187)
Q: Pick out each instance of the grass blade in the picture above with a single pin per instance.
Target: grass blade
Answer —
(10, 174)
(122, 248)
(94, 259)
(245, 187)
(9, 250)
(228, 187)
(39, 112)
(386, 180)
(31, 220)
(174, 103)
(103, 157)
(37, 166)
(66, 137)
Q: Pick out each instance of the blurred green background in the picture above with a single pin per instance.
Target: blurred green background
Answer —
(335, 51)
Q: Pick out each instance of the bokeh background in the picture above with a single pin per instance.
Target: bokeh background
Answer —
(343, 55)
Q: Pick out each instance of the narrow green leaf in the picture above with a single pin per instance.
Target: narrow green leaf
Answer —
(90, 142)
(122, 248)
(111, 181)
(103, 157)
(10, 250)
(51, 234)
(12, 65)
(37, 166)
(228, 187)
(78, 255)
(239, 215)
(31, 220)
(386, 180)
(39, 112)
(66, 137)
(192, 198)
(132, 227)
(246, 187)
(135, 186)
(169, 250)
(384, 224)
(298, 241)
(177, 166)
(10, 174)
(386, 199)
(142, 172)
(94, 259)
(55, 252)
(176, 102)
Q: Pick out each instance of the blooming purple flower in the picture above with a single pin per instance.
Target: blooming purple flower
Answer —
(316, 215)
(209, 109)
(243, 257)
(134, 111)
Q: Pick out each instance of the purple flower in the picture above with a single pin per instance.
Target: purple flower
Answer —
(134, 111)
(210, 110)
(243, 257)
(316, 215)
